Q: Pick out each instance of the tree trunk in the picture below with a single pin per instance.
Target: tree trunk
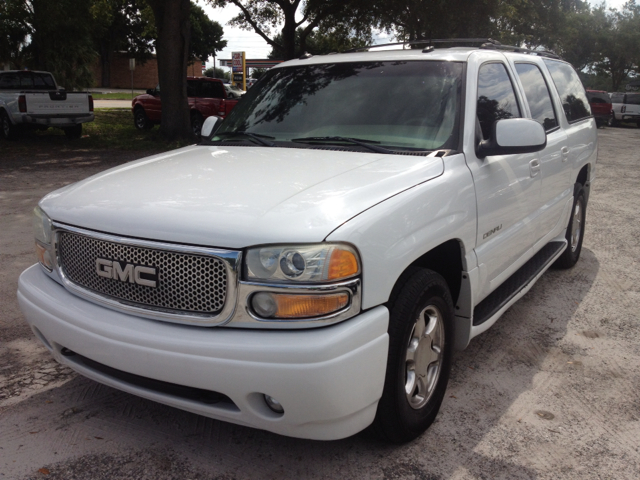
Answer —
(289, 33)
(172, 48)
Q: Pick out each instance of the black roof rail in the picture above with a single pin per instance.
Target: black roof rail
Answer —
(485, 43)
(513, 48)
(427, 42)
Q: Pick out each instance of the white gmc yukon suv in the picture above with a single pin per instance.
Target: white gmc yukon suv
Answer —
(311, 265)
(30, 99)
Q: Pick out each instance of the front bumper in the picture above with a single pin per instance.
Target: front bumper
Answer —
(328, 380)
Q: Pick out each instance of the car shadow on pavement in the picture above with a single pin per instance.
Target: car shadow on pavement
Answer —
(501, 406)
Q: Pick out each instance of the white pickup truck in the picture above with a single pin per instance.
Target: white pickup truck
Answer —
(310, 267)
(30, 99)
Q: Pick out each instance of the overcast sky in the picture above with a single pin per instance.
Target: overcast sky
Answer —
(255, 47)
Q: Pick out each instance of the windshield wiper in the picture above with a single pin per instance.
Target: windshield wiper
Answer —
(256, 136)
(355, 141)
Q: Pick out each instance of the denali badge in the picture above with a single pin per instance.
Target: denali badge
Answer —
(127, 272)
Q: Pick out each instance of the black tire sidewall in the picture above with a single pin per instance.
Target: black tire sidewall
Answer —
(569, 258)
(139, 114)
(396, 419)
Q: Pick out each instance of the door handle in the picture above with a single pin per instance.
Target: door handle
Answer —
(534, 167)
(565, 153)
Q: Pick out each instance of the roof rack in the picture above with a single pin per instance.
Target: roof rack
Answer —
(427, 42)
(485, 43)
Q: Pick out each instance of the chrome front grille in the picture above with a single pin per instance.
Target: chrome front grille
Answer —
(187, 283)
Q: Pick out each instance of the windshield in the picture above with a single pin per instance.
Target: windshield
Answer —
(399, 105)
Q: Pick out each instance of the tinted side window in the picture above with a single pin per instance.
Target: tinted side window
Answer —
(633, 99)
(211, 90)
(574, 99)
(192, 88)
(538, 96)
(496, 98)
(617, 98)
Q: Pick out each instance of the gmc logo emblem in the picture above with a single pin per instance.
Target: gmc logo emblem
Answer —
(127, 272)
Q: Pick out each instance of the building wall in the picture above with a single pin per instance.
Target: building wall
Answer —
(144, 76)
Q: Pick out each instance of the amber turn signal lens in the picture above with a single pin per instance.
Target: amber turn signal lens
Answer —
(43, 256)
(343, 264)
(305, 306)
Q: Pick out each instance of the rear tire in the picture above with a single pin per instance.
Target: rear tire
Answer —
(419, 361)
(8, 130)
(140, 119)
(73, 133)
(575, 232)
(612, 120)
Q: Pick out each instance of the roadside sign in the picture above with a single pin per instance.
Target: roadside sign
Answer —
(132, 64)
(236, 58)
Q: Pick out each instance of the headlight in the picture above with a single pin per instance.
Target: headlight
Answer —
(326, 262)
(42, 234)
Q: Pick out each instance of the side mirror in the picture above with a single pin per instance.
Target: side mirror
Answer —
(151, 91)
(210, 125)
(513, 136)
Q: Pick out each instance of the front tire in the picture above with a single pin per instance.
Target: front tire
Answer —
(8, 130)
(575, 232)
(419, 361)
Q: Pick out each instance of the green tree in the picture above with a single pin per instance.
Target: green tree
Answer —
(217, 73)
(121, 26)
(206, 35)
(265, 17)
(326, 39)
(15, 29)
(258, 72)
(61, 41)
(619, 44)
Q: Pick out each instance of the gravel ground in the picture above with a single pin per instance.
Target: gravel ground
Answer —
(552, 391)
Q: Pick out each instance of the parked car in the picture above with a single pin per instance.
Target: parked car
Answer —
(310, 266)
(233, 91)
(32, 99)
(207, 97)
(600, 103)
(625, 108)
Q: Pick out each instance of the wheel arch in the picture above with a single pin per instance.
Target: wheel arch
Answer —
(583, 180)
(448, 260)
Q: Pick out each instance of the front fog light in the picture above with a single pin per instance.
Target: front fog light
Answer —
(273, 404)
(264, 304)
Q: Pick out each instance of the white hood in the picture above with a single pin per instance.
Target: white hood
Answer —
(234, 197)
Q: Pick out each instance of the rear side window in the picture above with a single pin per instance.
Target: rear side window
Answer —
(538, 96)
(617, 98)
(633, 99)
(496, 98)
(597, 97)
(211, 90)
(574, 98)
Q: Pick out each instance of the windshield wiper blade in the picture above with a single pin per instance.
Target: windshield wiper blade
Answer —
(356, 141)
(256, 136)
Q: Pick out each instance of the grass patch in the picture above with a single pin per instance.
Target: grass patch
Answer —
(112, 128)
(114, 96)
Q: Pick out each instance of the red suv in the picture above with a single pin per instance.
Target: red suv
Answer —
(600, 106)
(207, 97)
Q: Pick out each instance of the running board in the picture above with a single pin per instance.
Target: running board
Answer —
(502, 295)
